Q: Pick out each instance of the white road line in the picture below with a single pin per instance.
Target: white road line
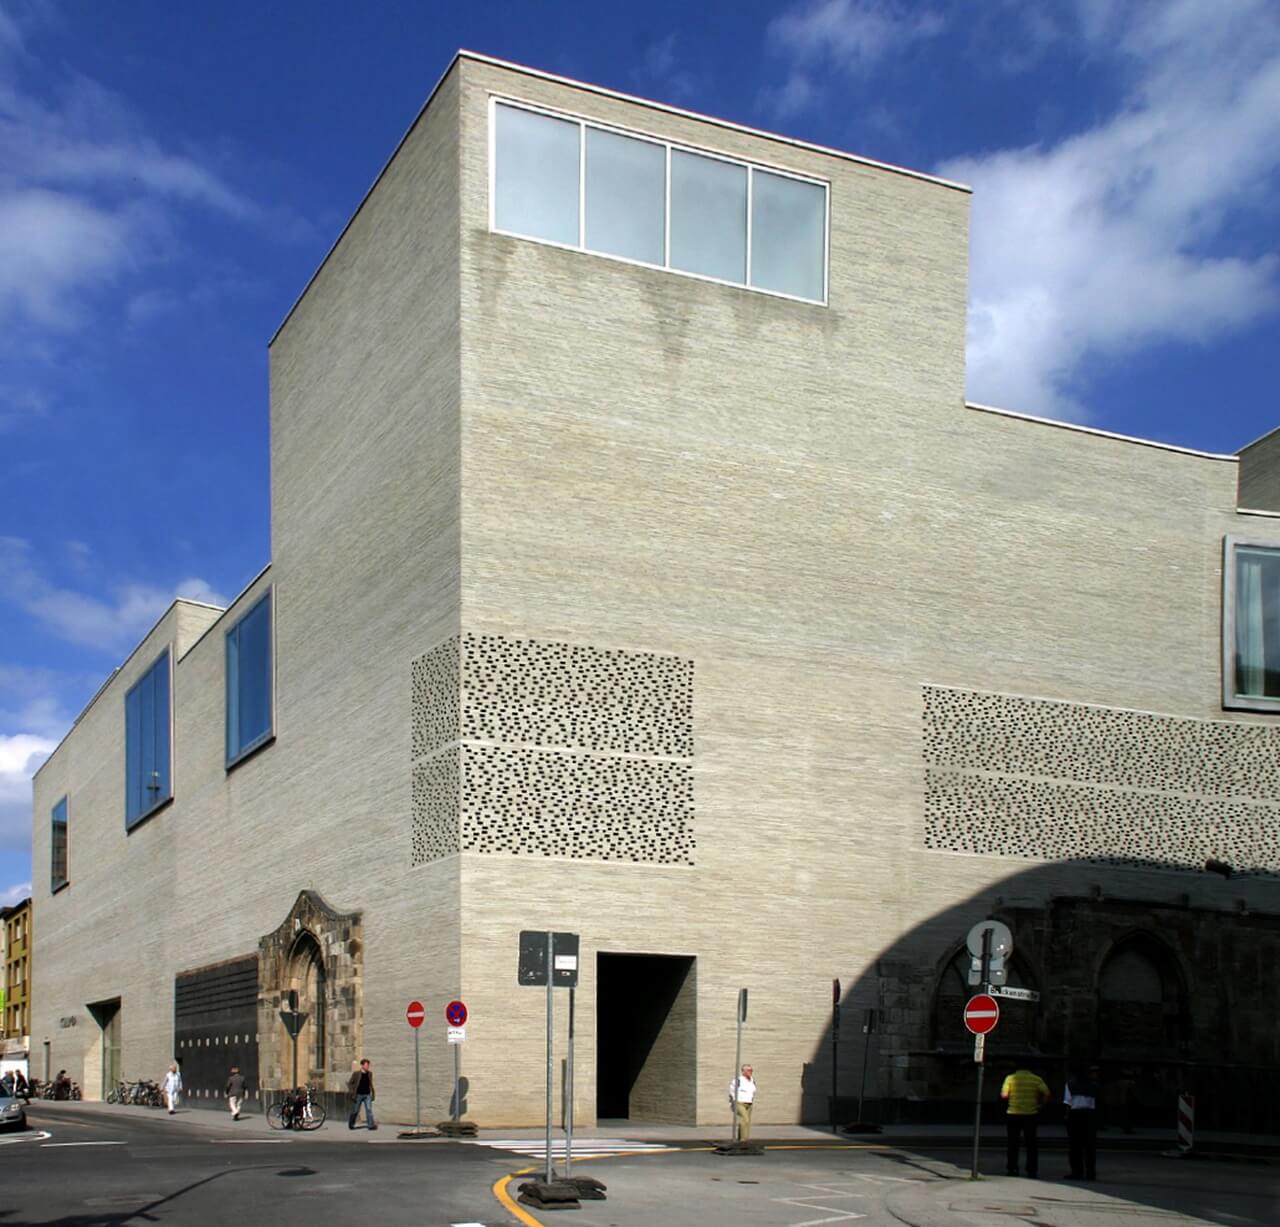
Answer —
(17, 1138)
(51, 1145)
(581, 1146)
(250, 1141)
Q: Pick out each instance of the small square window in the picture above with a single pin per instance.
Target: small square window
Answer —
(250, 698)
(1251, 626)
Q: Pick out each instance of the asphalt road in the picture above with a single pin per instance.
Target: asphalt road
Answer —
(94, 1167)
(898, 1188)
(142, 1166)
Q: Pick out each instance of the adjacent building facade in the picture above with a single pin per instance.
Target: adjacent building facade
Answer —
(639, 570)
(15, 1005)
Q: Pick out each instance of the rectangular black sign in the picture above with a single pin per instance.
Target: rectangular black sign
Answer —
(533, 959)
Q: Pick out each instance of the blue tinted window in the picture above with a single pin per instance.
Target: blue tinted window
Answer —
(147, 752)
(58, 841)
(249, 705)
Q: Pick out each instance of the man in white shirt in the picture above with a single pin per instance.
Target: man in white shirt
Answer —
(1081, 1098)
(742, 1094)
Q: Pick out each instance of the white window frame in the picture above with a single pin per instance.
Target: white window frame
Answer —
(496, 100)
(1232, 701)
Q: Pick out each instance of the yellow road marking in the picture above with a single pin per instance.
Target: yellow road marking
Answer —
(508, 1204)
(500, 1192)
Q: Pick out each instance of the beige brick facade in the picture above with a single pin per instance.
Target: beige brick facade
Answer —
(489, 445)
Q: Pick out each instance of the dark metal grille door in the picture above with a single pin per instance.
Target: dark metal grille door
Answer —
(215, 1025)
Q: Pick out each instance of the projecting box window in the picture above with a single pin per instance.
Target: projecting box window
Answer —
(58, 845)
(250, 689)
(148, 742)
(564, 181)
(1251, 626)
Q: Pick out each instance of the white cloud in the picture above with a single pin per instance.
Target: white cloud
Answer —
(53, 246)
(851, 36)
(113, 624)
(87, 195)
(20, 756)
(15, 894)
(661, 71)
(1130, 232)
(1117, 237)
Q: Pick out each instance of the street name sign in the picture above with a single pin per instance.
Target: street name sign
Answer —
(415, 1013)
(981, 1014)
(1016, 994)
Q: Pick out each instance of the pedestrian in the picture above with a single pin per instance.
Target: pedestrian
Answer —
(9, 1085)
(742, 1094)
(171, 1088)
(235, 1092)
(62, 1085)
(1025, 1093)
(360, 1085)
(1080, 1094)
(21, 1088)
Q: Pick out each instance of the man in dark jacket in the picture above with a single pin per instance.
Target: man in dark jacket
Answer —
(235, 1092)
(361, 1087)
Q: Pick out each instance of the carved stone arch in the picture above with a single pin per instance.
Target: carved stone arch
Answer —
(1142, 998)
(317, 952)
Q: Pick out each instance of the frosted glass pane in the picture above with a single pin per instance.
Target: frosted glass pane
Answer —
(536, 175)
(626, 196)
(788, 223)
(708, 217)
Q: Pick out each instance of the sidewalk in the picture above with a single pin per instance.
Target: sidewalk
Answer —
(949, 1137)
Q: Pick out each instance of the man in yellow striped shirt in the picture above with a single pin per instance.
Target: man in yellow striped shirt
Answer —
(1025, 1094)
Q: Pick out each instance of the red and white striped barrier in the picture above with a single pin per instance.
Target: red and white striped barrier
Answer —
(1186, 1121)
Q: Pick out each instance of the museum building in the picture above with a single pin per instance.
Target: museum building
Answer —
(639, 570)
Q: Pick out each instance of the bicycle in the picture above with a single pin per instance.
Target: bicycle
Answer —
(299, 1109)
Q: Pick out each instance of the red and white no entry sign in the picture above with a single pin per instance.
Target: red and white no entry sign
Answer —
(981, 1013)
(415, 1014)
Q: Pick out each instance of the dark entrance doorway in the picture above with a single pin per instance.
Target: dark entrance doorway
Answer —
(107, 1015)
(646, 1038)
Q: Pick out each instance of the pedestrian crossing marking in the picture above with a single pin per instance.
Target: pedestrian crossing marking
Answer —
(530, 1148)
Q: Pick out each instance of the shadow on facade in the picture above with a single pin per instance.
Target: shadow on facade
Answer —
(1164, 994)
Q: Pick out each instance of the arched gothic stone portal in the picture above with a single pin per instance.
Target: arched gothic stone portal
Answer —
(319, 953)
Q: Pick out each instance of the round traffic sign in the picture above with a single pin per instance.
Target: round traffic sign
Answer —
(1001, 945)
(981, 1013)
(456, 1013)
(415, 1013)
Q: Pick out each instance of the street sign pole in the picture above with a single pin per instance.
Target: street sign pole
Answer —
(417, 1079)
(568, 1091)
(835, 1055)
(457, 1082)
(979, 1055)
(868, 1025)
(550, 1035)
(737, 1062)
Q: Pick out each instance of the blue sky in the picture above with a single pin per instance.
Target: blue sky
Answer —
(171, 175)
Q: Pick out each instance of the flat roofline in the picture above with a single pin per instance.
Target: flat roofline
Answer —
(1254, 442)
(1102, 434)
(604, 92)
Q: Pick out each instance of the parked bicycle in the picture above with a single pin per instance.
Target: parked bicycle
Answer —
(299, 1109)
